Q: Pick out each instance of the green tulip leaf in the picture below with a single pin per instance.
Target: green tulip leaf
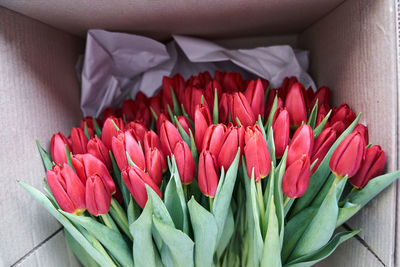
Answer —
(318, 179)
(322, 253)
(223, 196)
(215, 108)
(100, 258)
(46, 158)
(278, 194)
(345, 213)
(228, 231)
(175, 199)
(294, 229)
(119, 216)
(271, 145)
(133, 211)
(144, 252)
(179, 247)
(272, 244)
(111, 240)
(182, 132)
(322, 226)
(79, 251)
(373, 188)
(317, 130)
(96, 128)
(270, 119)
(312, 119)
(184, 113)
(205, 233)
(175, 102)
(86, 131)
(324, 191)
(268, 198)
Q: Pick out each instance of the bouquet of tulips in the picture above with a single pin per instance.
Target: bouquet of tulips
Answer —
(212, 172)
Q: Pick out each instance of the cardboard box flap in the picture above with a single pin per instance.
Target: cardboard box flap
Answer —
(213, 19)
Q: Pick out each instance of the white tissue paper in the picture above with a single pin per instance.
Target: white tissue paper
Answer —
(118, 65)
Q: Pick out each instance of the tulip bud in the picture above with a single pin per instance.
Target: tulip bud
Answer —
(67, 189)
(213, 138)
(109, 130)
(233, 139)
(223, 108)
(87, 165)
(184, 162)
(255, 95)
(202, 119)
(346, 159)
(208, 174)
(311, 94)
(296, 178)
(323, 95)
(97, 148)
(143, 114)
(57, 148)
(151, 140)
(209, 93)
(89, 124)
(98, 199)
(233, 82)
(256, 154)
(344, 114)
(159, 122)
(301, 143)
(322, 112)
(322, 145)
(372, 166)
(154, 164)
(169, 136)
(240, 109)
(177, 84)
(185, 124)
(281, 129)
(136, 180)
(296, 106)
(339, 127)
(79, 141)
(286, 85)
(138, 130)
(129, 109)
(193, 97)
(108, 112)
(364, 132)
(270, 101)
(124, 143)
(155, 104)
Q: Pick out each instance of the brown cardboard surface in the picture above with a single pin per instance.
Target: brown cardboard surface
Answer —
(39, 96)
(353, 51)
(158, 18)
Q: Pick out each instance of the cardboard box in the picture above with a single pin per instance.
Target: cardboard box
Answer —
(353, 45)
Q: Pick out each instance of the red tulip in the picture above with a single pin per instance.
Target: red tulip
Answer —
(372, 166)
(169, 136)
(281, 129)
(270, 101)
(223, 108)
(57, 148)
(129, 109)
(155, 104)
(347, 157)
(209, 93)
(200, 81)
(185, 124)
(184, 162)
(213, 138)
(256, 154)
(323, 95)
(321, 114)
(233, 82)
(109, 130)
(124, 143)
(151, 140)
(322, 145)
(255, 95)
(296, 105)
(310, 94)
(89, 124)
(208, 174)
(177, 84)
(240, 109)
(98, 199)
(67, 189)
(79, 141)
(143, 114)
(136, 179)
(192, 98)
(108, 112)
(232, 140)
(301, 143)
(202, 119)
(159, 122)
(364, 132)
(344, 114)
(154, 164)
(87, 165)
(97, 148)
(339, 127)
(296, 178)
(138, 130)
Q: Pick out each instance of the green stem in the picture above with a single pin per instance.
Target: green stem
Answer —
(185, 191)
(108, 221)
(286, 201)
(211, 199)
(120, 217)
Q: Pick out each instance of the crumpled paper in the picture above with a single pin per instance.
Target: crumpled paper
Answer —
(117, 65)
